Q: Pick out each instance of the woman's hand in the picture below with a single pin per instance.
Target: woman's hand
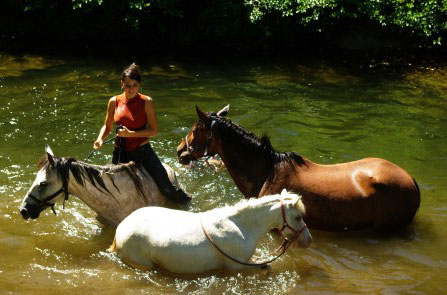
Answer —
(124, 132)
(97, 144)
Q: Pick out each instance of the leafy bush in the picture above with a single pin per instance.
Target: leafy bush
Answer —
(425, 19)
(193, 24)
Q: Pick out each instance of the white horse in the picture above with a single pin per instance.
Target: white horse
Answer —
(112, 191)
(223, 238)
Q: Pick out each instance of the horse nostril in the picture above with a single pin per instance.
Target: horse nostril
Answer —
(24, 213)
(184, 159)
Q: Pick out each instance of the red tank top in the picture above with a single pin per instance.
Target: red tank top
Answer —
(131, 113)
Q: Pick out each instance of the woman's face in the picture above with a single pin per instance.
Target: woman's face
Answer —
(131, 87)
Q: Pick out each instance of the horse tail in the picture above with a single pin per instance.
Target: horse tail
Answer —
(112, 247)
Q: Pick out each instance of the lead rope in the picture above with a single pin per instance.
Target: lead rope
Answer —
(91, 153)
(105, 142)
(285, 245)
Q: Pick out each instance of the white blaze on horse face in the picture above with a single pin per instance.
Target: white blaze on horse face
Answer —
(45, 184)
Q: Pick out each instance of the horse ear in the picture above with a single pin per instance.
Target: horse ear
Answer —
(49, 150)
(223, 112)
(50, 155)
(300, 205)
(202, 116)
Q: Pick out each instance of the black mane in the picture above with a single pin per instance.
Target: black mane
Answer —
(249, 141)
(92, 173)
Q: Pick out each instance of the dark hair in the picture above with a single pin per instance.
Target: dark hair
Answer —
(132, 72)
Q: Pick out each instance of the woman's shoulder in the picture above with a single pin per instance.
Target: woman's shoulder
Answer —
(146, 98)
(112, 100)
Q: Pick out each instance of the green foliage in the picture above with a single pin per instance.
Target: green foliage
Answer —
(306, 11)
(217, 23)
(426, 19)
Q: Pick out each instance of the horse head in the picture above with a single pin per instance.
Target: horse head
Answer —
(45, 190)
(198, 142)
(294, 228)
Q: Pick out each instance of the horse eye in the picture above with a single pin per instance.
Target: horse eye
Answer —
(299, 218)
(43, 183)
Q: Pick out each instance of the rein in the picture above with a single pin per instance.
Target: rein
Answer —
(105, 142)
(285, 245)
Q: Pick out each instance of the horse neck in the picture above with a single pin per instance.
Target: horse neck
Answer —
(112, 204)
(248, 169)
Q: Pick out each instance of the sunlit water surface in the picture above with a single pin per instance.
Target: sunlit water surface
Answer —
(326, 113)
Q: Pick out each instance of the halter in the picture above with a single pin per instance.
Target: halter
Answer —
(191, 149)
(296, 233)
(285, 245)
(44, 202)
(63, 189)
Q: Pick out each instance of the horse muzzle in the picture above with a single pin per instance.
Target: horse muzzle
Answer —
(305, 240)
(305, 244)
(29, 212)
(184, 158)
(24, 213)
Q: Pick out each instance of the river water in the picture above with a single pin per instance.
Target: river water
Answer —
(327, 113)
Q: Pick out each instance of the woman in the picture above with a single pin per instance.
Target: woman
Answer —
(134, 113)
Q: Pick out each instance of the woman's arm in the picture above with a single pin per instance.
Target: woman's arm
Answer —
(108, 123)
(152, 125)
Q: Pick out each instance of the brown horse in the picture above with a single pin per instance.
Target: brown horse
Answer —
(370, 192)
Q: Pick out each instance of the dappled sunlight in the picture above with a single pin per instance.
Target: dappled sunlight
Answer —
(14, 66)
(202, 92)
(273, 80)
(328, 74)
(429, 79)
(304, 76)
(171, 72)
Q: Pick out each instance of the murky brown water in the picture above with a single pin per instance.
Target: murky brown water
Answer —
(328, 114)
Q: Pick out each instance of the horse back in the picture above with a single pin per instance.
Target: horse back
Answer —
(353, 195)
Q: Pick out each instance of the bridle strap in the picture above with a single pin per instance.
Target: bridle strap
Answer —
(187, 142)
(208, 138)
(50, 197)
(285, 224)
(285, 245)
